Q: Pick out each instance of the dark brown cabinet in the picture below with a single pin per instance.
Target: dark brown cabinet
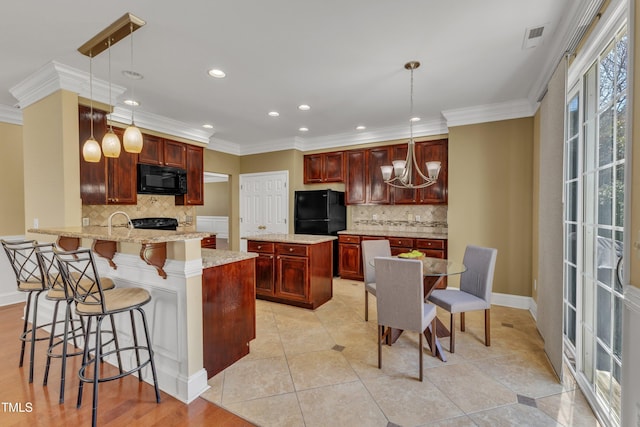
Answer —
(228, 313)
(324, 167)
(111, 180)
(293, 273)
(351, 255)
(164, 152)
(208, 242)
(195, 177)
(364, 183)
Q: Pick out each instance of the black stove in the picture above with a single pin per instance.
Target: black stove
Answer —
(155, 223)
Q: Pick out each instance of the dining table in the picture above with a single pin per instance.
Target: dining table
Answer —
(434, 271)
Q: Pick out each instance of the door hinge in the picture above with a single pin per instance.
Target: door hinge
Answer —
(240, 219)
(285, 220)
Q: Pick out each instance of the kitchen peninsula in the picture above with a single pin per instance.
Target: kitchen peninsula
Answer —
(186, 296)
(295, 269)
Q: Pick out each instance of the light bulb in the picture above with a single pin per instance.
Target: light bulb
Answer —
(111, 144)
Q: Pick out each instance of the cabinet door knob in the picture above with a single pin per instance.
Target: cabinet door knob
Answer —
(259, 246)
(290, 249)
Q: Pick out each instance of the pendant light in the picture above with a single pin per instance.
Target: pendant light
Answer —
(110, 141)
(91, 149)
(403, 169)
(132, 139)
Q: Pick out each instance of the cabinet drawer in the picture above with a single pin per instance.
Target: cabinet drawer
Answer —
(262, 247)
(208, 242)
(292, 249)
(345, 238)
(401, 242)
(429, 244)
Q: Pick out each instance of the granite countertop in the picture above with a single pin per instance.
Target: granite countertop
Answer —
(409, 234)
(121, 234)
(305, 239)
(218, 257)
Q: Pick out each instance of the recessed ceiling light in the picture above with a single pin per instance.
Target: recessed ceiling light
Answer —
(131, 102)
(414, 119)
(207, 126)
(303, 129)
(132, 74)
(361, 127)
(273, 113)
(303, 107)
(218, 74)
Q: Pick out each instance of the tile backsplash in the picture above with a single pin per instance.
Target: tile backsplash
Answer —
(419, 218)
(148, 206)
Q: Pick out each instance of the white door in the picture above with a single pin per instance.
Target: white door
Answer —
(264, 204)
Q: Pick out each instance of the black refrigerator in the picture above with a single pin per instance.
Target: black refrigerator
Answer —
(321, 212)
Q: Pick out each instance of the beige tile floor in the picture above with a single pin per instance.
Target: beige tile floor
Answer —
(319, 368)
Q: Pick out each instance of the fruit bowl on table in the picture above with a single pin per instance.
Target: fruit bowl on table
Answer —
(411, 255)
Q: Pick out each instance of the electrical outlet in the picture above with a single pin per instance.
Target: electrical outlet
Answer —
(85, 222)
(418, 218)
(36, 223)
(374, 216)
(409, 217)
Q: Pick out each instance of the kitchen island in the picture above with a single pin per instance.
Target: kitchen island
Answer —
(294, 269)
(176, 312)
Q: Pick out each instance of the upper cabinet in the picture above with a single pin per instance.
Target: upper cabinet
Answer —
(364, 183)
(324, 167)
(111, 180)
(195, 177)
(164, 152)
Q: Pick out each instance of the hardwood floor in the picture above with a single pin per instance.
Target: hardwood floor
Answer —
(121, 402)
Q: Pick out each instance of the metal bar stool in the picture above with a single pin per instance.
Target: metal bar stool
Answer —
(57, 292)
(22, 256)
(78, 271)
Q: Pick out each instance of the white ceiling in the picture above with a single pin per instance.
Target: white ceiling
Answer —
(345, 58)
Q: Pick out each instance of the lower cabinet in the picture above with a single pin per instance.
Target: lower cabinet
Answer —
(351, 255)
(293, 273)
(208, 242)
(228, 313)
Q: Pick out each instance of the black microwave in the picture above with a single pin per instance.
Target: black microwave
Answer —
(165, 180)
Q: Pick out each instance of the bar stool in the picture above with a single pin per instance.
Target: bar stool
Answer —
(57, 292)
(93, 302)
(23, 260)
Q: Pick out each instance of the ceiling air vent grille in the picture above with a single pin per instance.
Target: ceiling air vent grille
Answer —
(533, 36)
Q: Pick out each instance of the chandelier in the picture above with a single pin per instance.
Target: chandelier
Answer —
(401, 173)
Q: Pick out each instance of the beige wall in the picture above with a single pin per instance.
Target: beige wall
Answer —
(490, 197)
(12, 179)
(535, 203)
(229, 164)
(51, 161)
(216, 199)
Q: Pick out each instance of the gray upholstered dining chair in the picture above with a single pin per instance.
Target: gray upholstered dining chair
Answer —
(370, 250)
(476, 284)
(400, 301)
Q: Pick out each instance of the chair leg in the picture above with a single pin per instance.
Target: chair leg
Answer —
(420, 354)
(85, 359)
(487, 327)
(65, 338)
(452, 342)
(25, 326)
(462, 322)
(116, 343)
(380, 337)
(34, 330)
(135, 343)
(96, 370)
(366, 306)
(52, 335)
(153, 363)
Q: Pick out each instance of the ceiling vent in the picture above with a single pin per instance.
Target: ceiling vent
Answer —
(533, 36)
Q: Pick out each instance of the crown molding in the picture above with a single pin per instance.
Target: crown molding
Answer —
(11, 115)
(490, 112)
(161, 124)
(55, 76)
(295, 143)
(224, 146)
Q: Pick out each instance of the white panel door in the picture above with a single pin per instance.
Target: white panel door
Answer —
(264, 204)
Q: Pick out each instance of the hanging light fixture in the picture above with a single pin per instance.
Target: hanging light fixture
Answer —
(132, 139)
(400, 174)
(119, 29)
(91, 148)
(110, 141)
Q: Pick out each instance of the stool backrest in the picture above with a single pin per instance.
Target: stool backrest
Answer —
(79, 273)
(23, 260)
